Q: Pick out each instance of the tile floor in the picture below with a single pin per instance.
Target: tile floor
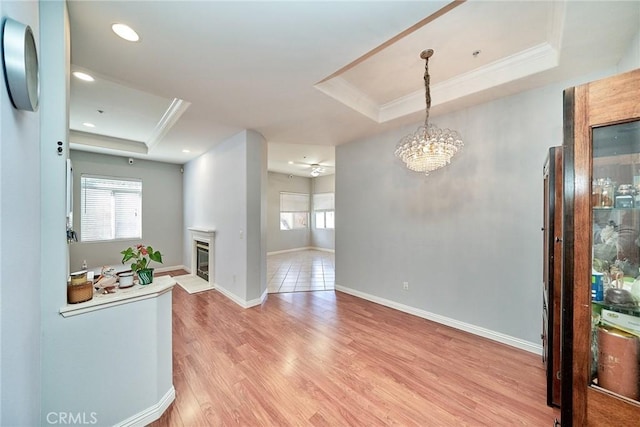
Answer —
(300, 271)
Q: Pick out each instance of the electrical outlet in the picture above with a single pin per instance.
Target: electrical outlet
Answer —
(405, 286)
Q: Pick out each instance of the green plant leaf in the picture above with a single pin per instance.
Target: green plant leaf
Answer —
(140, 261)
(156, 256)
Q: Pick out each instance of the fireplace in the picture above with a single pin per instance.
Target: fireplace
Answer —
(202, 259)
(202, 253)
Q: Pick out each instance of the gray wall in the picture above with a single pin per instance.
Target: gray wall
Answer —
(282, 240)
(467, 238)
(20, 244)
(323, 238)
(162, 200)
(217, 188)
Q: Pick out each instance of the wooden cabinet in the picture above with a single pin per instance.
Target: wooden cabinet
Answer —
(601, 244)
(552, 272)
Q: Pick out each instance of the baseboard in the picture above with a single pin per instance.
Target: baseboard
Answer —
(171, 268)
(152, 413)
(467, 327)
(306, 248)
(257, 301)
(242, 303)
(324, 250)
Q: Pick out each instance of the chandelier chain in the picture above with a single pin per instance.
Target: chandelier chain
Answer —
(427, 91)
(429, 148)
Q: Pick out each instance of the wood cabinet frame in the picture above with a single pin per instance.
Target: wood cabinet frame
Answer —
(552, 272)
(602, 103)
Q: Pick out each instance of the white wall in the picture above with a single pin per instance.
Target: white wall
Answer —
(217, 189)
(20, 257)
(631, 59)
(467, 238)
(162, 224)
(109, 365)
(256, 228)
(322, 238)
(115, 362)
(282, 240)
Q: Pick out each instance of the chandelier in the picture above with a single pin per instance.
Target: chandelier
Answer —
(429, 147)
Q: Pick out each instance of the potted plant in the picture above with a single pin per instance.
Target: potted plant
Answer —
(142, 256)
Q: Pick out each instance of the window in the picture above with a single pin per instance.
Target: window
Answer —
(111, 208)
(294, 211)
(323, 207)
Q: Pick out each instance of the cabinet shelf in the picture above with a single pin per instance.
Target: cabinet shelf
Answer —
(635, 209)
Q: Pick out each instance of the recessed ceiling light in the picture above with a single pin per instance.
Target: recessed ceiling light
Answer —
(89, 125)
(83, 76)
(126, 32)
(290, 162)
(186, 151)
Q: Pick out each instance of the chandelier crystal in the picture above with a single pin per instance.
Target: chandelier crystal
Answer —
(429, 147)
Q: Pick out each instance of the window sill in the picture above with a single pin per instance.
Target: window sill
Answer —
(160, 285)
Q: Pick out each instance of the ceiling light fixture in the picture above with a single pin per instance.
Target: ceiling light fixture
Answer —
(126, 32)
(83, 76)
(186, 151)
(290, 162)
(89, 125)
(429, 147)
(316, 171)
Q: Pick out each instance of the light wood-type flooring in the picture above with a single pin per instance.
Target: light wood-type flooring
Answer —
(330, 359)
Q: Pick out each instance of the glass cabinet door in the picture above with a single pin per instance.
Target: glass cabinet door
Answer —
(615, 275)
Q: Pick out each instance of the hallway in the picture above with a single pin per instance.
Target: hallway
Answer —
(301, 271)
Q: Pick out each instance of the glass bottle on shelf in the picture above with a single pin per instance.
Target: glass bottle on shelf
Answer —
(608, 193)
(596, 193)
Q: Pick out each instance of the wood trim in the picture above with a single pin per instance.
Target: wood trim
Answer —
(552, 272)
(556, 276)
(581, 256)
(394, 39)
(602, 103)
(567, 258)
(601, 412)
(614, 100)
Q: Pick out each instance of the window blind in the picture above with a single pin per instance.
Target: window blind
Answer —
(294, 202)
(111, 208)
(323, 201)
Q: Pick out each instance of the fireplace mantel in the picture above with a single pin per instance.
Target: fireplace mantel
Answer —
(202, 230)
(206, 235)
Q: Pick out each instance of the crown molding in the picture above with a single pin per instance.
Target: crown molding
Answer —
(169, 118)
(79, 140)
(541, 57)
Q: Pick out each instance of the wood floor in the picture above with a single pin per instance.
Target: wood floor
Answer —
(329, 359)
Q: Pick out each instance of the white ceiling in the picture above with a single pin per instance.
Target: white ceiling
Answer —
(311, 75)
